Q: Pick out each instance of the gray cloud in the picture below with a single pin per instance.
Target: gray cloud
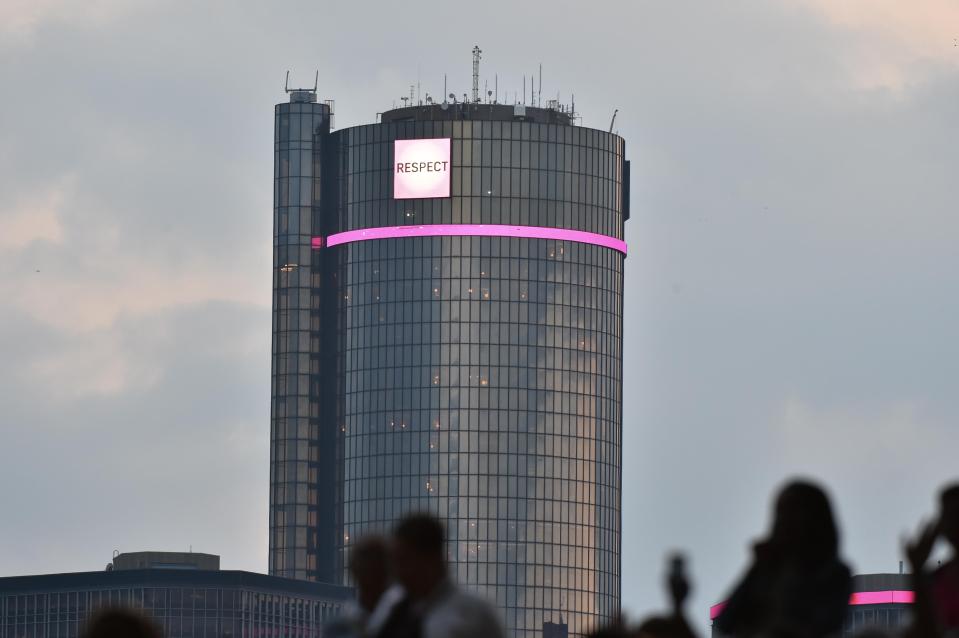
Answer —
(788, 286)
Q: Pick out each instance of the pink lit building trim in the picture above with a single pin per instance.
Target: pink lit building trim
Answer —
(471, 230)
(859, 598)
(882, 598)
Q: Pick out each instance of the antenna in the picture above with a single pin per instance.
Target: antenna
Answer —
(524, 89)
(539, 92)
(613, 121)
(316, 84)
(496, 89)
(476, 61)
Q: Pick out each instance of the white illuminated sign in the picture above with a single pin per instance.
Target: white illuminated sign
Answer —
(421, 168)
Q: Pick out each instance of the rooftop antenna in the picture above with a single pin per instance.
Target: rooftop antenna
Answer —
(496, 88)
(476, 61)
(444, 86)
(539, 91)
(316, 84)
(613, 121)
(524, 89)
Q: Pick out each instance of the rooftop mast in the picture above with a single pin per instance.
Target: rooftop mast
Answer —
(476, 61)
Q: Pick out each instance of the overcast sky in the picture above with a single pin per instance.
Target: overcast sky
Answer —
(792, 281)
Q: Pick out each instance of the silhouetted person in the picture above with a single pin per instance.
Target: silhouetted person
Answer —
(937, 595)
(446, 611)
(676, 624)
(120, 623)
(945, 580)
(797, 586)
(382, 607)
(616, 629)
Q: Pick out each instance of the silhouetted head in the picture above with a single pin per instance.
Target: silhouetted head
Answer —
(949, 514)
(120, 623)
(804, 526)
(419, 554)
(371, 570)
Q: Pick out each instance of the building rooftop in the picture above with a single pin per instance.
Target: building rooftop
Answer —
(477, 111)
(164, 560)
(170, 577)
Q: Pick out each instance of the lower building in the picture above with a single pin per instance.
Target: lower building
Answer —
(879, 602)
(182, 599)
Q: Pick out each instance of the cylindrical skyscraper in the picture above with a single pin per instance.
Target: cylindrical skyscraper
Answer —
(467, 300)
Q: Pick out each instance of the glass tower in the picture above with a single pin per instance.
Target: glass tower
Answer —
(459, 354)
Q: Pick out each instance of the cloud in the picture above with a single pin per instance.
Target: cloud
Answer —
(891, 41)
(787, 297)
(881, 444)
(21, 19)
(36, 218)
(186, 443)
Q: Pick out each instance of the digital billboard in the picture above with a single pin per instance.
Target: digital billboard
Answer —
(421, 168)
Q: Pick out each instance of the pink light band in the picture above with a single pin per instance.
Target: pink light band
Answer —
(472, 230)
(715, 610)
(882, 597)
(890, 597)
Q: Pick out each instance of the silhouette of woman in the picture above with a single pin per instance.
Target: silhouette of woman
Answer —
(797, 587)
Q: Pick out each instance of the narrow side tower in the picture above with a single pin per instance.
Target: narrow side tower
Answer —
(302, 522)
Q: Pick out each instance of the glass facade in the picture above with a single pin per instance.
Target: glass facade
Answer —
(885, 618)
(301, 465)
(479, 378)
(196, 605)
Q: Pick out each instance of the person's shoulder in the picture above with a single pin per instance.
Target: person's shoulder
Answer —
(468, 601)
(838, 573)
(947, 572)
(834, 568)
(468, 610)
